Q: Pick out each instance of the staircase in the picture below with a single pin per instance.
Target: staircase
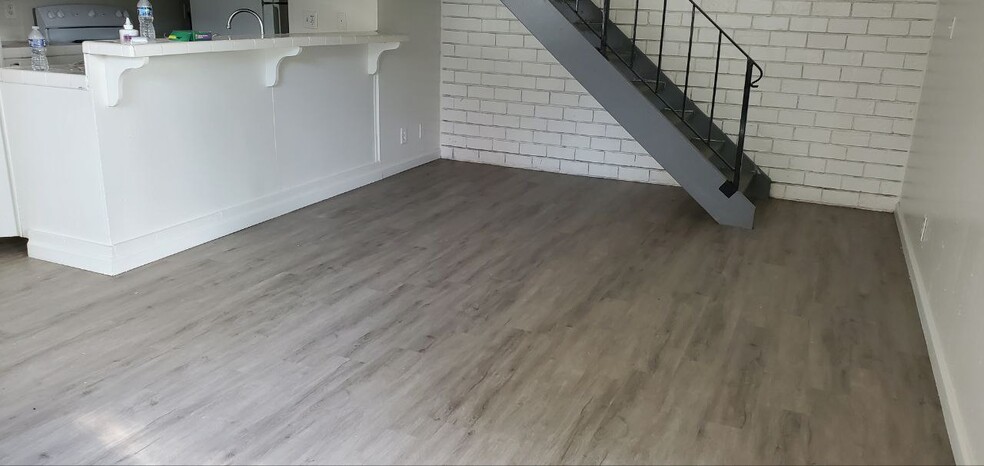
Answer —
(660, 114)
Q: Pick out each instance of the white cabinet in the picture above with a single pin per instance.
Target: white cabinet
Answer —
(8, 217)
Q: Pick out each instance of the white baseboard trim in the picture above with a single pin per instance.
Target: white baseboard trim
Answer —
(73, 252)
(129, 254)
(941, 372)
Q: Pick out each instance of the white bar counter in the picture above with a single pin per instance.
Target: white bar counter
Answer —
(107, 61)
(169, 145)
(164, 47)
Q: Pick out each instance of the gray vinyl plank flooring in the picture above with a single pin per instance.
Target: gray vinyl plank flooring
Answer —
(462, 313)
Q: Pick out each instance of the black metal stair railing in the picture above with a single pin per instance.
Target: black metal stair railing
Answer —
(750, 81)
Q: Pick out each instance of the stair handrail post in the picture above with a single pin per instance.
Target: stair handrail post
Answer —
(717, 73)
(662, 36)
(740, 155)
(690, 54)
(606, 18)
(635, 35)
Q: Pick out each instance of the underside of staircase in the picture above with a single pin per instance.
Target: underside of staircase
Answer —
(691, 147)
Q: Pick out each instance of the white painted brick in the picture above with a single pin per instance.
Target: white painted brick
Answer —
(849, 26)
(915, 10)
(879, 203)
(861, 185)
(888, 27)
(803, 193)
(909, 44)
(798, 8)
(827, 41)
(843, 167)
(844, 198)
(602, 171)
(838, 89)
(573, 168)
(589, 155)
(867, 43)
(808, 24)
(835, 120)
(831, 122)
(633, 174)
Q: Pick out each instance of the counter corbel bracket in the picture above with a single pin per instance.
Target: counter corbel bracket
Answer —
(376, 51)
(273, 59)
(106, 75)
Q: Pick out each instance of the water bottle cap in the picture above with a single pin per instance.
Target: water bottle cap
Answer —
(36, 28)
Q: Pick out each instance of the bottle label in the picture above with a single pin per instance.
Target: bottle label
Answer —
(145, 11)
(37, 43)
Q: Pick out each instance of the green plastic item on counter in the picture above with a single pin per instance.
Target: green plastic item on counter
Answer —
(189, 36)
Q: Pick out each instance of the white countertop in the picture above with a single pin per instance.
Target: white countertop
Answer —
(21, 50)
(65, 77)
(163, 47)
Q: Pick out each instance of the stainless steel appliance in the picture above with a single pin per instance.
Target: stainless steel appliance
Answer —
(67, 24)
(66, 27)
(211, 16)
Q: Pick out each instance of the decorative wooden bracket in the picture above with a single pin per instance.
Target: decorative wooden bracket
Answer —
(106, 75)
(273, 59)
(376, 51)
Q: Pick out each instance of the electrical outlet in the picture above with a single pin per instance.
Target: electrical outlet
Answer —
(9, 9)
(310, 19)
(342, 21)
(924, 234)
(403, 136)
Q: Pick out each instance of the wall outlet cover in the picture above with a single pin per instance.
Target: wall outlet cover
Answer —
(403, 136)
(342, 21)
(310, 19)
(9, 9)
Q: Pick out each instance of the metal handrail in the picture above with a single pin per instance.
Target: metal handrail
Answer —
(721, 30)
(751, 65)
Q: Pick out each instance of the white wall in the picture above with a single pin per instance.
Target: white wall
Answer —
(360, 15)
(944, 184)
(410, 98)
(831, 122)
(169, 15)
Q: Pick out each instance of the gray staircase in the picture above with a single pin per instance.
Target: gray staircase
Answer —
(685, 141)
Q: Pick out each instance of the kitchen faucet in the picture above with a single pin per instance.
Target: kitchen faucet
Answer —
(255, 15)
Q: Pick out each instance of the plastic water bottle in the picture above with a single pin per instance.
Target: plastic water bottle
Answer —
(145, 14)
(39, 50)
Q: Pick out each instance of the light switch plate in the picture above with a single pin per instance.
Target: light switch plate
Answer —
(311, 19)
(342, 21)
(9, 9)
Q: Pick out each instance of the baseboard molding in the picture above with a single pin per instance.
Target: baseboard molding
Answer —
(941, 372)
(136, 252)
(73, 252)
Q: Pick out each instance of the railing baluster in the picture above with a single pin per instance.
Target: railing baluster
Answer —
(662, 35)
(635, 35)
(606, 17)
(744, 122)
(717, 71)
(690, 53)
(734, 184)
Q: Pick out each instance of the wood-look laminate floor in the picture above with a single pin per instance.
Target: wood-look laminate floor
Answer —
(462, 313)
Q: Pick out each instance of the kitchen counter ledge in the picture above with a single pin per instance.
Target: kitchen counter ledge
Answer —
(106, 62)
(163, 47)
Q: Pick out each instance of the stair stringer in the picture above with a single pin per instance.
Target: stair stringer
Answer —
(640, 117)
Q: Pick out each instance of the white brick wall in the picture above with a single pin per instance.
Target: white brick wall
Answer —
(831, 122)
